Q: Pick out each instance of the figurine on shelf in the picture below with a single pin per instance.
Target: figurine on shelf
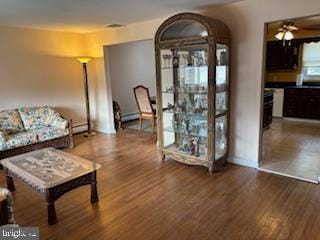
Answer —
(170, 106)
(186, 124)
(189, 107)
(198, 108)
(170, 89)
(175, 59)
(203, 89)
(185, 146)
(184, 105)
(194, 145)
(190, 60)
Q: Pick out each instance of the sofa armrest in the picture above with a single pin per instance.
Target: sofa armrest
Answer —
(60, 123)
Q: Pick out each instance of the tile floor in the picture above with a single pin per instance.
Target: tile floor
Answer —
(292, 148)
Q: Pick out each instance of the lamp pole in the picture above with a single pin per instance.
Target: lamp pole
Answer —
(84, 61)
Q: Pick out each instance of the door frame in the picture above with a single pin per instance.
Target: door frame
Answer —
(263, 75)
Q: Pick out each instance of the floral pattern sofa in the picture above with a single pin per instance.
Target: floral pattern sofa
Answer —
(26, 129)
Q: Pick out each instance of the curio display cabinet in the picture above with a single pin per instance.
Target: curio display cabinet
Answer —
(192, 68)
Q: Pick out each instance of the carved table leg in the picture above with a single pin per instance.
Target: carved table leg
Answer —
(52, 216)
(10, 184)
(94, 192)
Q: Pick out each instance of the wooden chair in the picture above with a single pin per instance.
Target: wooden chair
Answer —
(144, 104)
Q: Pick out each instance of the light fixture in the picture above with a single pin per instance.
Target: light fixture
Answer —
(84, 61)
(285, 32)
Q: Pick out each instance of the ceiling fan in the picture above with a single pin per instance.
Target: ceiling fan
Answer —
(285, 31)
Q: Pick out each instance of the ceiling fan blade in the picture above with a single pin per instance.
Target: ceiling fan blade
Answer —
(292, 28)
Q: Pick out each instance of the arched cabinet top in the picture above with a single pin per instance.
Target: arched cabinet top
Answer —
(186, 26)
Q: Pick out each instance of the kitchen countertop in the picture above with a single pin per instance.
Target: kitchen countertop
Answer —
(290, 85)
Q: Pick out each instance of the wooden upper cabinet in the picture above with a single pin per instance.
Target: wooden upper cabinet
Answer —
(282, 57)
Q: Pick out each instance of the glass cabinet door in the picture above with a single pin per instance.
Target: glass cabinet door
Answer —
(222, 99)
(184, 76)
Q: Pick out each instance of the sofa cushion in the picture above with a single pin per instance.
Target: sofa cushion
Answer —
(59, 122)
(21, 139)
(40, 117)
(3, 145)
(10, 122)
(48, 133)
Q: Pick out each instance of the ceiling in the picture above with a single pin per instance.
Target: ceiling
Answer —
(307, 23)
(91, 15)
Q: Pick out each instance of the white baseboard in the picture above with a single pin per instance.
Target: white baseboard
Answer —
(104, 129)
(79, 128)
(130, 116)
(82, 127)
(304, 120)
(289, 175)
(244, 162)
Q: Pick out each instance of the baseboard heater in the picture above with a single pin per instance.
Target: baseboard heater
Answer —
(130, 117)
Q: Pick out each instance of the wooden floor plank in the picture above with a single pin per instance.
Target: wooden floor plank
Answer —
(143, 198)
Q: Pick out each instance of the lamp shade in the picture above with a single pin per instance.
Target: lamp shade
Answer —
(84, 59)
(280, 35)
(288, 36)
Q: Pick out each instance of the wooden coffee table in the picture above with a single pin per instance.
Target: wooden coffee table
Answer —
(51, 173)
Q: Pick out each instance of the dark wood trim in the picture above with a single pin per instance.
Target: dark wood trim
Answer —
(4, 212)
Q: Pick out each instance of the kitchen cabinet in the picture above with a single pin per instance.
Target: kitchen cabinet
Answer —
(302, 103)
(281, 57)
(267, 108)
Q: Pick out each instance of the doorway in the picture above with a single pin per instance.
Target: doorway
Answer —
(131, 64)
(291, 117)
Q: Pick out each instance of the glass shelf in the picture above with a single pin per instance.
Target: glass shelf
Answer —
(184, 67)
(186, 92)
(195, 115)
(221, 112)
(176, 149)
(182, 131)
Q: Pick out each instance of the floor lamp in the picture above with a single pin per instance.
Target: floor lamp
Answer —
(84, 61)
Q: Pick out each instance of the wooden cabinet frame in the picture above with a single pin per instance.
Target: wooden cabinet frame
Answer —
(217, 33)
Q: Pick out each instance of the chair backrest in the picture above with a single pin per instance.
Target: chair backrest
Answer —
(142, 96)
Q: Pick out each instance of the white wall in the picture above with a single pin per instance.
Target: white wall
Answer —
(246, 21)
(131, 64)
(39, 68)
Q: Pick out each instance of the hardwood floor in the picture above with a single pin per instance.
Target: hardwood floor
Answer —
(142, 198)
